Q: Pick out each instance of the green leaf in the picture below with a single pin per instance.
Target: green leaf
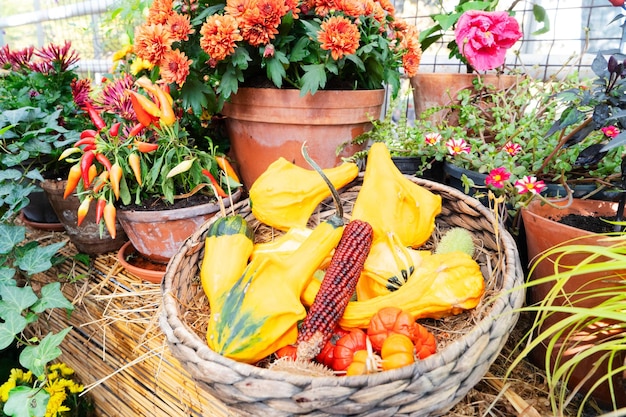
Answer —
(541, 17)
(51, 297)
(35, 358)
(275, 70)
(314, 78)
(10, 236)
(6, 275)
(38, 259)
(26, 402)
(197, 95)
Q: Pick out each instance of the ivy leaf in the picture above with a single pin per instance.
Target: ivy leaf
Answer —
(51, 297)
(26, 401)
(10, 236)
(38, 259)
(35, 358)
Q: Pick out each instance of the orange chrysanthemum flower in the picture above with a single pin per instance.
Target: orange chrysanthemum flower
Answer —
(236, 8)
(352, 8)
(219, 36)
(387, 6)
(374, 9)
(152, 42)
(260, 25)
(292, 5)
(159, 12)
(180, 27)
(409, 39)
(339, 36)
(324, 7)
(175, 67)
(411, 62)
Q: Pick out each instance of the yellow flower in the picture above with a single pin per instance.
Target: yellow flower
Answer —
(140, 64)
(121, 53)
(63, 368)
(5, 388)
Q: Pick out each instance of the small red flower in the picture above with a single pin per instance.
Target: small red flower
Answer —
(512, 148)
(610, 131)
(432, 138)
(497, 177)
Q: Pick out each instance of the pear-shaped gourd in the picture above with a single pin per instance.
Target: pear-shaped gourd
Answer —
(286, 195)
(390, 202)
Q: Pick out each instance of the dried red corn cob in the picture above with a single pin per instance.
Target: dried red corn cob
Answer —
(336, 290)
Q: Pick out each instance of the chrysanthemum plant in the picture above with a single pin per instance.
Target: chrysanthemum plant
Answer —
(206, 50)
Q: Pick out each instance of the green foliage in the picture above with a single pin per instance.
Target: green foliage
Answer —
(604, 298)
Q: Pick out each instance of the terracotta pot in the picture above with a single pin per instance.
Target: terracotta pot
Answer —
(439, 89)
(158, 234)
(86, 237)
(266, 123)
(543, 231)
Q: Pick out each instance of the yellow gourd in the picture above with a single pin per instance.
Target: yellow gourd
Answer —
(286, 195)
(390, 202)
(285, 244)
(388, 267)
(260, 312)
(441, 285)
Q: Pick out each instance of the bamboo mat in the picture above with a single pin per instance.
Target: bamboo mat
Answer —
(116, 346)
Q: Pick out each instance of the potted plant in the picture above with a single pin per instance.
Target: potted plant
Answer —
(38, 119)
(139, 165)
(309, 55)
(577, 334)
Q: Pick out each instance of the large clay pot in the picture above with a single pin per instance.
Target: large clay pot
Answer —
(87, 237)
(543, 231)
(158, 234)
(439, 89)
(267, 123)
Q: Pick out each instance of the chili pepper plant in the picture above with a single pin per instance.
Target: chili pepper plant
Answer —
(138, 153)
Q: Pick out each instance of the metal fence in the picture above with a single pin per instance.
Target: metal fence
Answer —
(95, 32)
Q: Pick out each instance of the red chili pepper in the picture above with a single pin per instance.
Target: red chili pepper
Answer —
(83, 209)
(114, 130)
(72, 180)
(109, 219)
(88, 133)
(85, 162)
(135, 130)
(90, 147)
(90, 140)
(220, 192)
(145, 147)
(104, 161)
(100, 208)
(97, 120)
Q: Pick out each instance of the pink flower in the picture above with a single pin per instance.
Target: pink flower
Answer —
(457, 146)
(512, 148)
(529, 184)
(484, 37)
(497, 176)
(432, 138)
(610, 131)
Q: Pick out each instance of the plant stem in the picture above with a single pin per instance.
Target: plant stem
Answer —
(562, 142)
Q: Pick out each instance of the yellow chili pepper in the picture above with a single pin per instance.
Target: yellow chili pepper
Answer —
(109, 219)
(180, 168)
(83, 209)
(115, 176)
(135, 164)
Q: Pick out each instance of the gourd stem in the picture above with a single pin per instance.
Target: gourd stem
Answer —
(333, 190)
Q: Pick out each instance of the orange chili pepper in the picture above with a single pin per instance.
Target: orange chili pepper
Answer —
(225, 165)
(145, 147)
(92, 173)
(136, 130)
(83, 209)
(72, 180)
(115, 176)
(145, 109)
(135, 163)
(109, 219)
(100, 208)
(167, 113)
(101, 181)
(220, 192)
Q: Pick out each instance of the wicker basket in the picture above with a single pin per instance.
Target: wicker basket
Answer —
(427, 388)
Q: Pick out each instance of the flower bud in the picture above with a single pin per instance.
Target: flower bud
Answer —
(612, 64)
(269, 51)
